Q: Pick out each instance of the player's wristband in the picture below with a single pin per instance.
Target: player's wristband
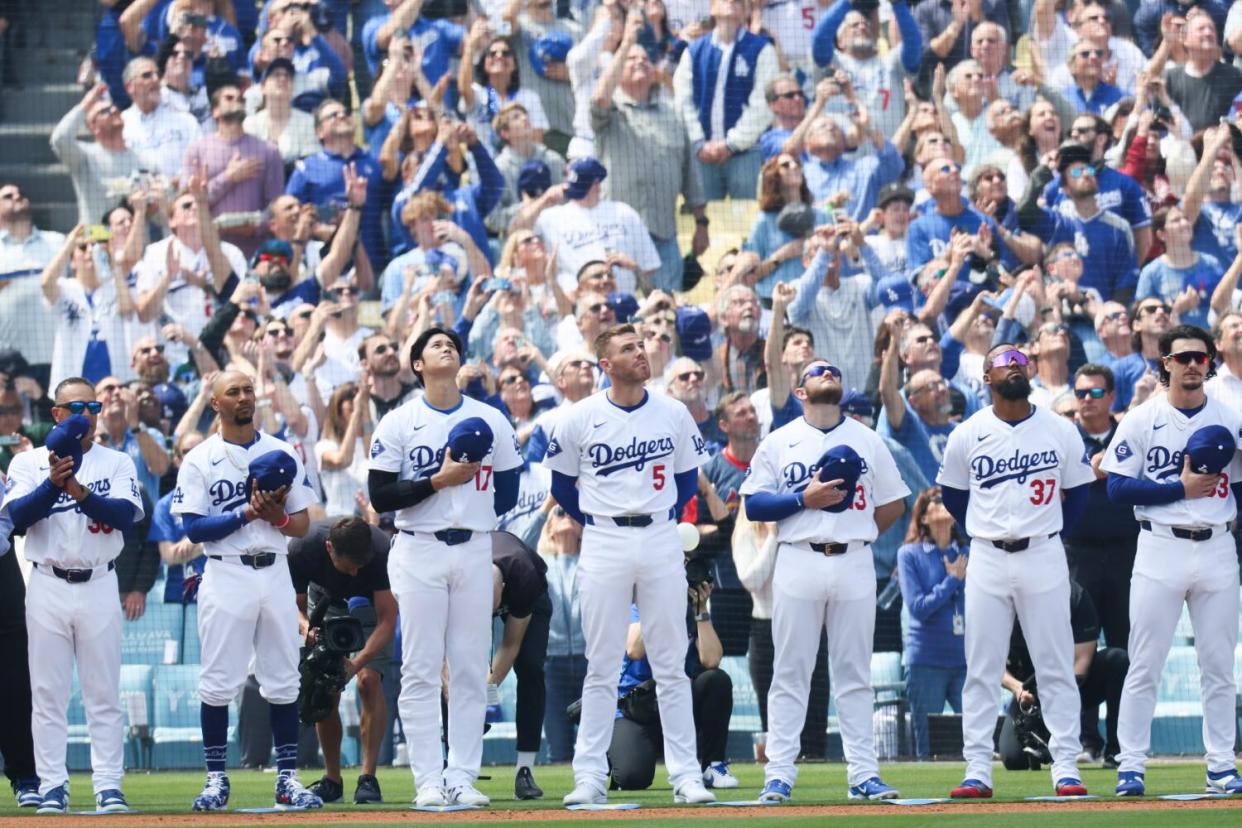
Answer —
(798, 498)
(283, 523)
(240, 513)
(703, 616)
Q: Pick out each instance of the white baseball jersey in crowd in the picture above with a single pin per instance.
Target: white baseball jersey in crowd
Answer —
(443, 588)
(243, 611)
(1015, 473)
(80, 623)
(625, 460)
(811, 590)
(1171, 571)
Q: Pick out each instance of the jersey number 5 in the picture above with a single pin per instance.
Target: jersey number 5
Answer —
(482, 478)
(657, 476)
(1043, 491)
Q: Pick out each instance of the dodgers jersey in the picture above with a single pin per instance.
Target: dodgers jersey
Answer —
(1015, 472)
(410, 440)
(67, 537)
(212, 481)
(625, 458)
(788, 458)
(1148, 445)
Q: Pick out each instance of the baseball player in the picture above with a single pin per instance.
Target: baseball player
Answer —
(634, 458)
(828, 511)
(1173, 458)
(1015, 476)
(241, 493)
(448, 465)
(74, 500)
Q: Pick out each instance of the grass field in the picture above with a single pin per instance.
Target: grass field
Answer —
(170, 794)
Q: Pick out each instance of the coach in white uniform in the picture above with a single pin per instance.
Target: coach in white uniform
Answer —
(74, 520)
(440, 566)
(824, 574)
(246, 604)
(634, 458)
(1186, 555)
(1016, 475)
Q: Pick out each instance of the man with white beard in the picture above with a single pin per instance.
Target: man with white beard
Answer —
(687, 385)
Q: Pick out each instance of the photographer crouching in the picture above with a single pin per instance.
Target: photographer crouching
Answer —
(348, 617)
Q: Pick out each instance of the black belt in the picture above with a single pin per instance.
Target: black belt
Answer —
(829, 548)
(260, 561)
(76, 576)
(448, 537)
(1020, 545)
(1182, 532)
(632, 521)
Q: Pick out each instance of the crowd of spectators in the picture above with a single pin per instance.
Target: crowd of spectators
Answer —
(299, 189)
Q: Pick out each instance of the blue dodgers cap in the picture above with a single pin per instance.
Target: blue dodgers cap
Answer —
(895, 292)
(534, 179)
(623, 305)
(173, 404)
(856, 402)
(1210, 449)
(841, 463)
(65, 440)
(694, 331)
(271, 470)
(470, 440)
(961, 295)
(551, 48)
(582, 176)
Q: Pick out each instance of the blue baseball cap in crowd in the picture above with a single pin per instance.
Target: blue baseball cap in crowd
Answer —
(1210, 449)
(623, 305)
(841, 463)
(470, 440)
(173, 403)
(856, 402)
(534, 179)
(895, 292)
(583, 175)
(271, 470)
(551, 48)
(694, 331)
(65, 440)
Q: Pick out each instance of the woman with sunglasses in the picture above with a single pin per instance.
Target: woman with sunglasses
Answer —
(401, 96)
(487, 79)
(515, 393)
(1041, 134)
(931, 567)
(782, 192)
(341, 452)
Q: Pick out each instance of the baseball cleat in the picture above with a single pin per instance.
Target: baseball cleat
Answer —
(1070, 786)
(368, 790)
(291, 793)
(1130, 783)
(776, 790)
(874, 789)
(55, 801)
(692, 792)
(524, 786)
(467, 795)
(111, 801)
(431, 796)
(215, 794)
(717, 776)
(27, 792)
(328, 790)
(586, 793)
(1223, 782)
(971, 789)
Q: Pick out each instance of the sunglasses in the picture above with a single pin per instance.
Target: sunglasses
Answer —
(925, 338)
(686, 376)
(1090, 53)
(1079, 172)
(789, 96)
(499, 53)
(579, 363)
(336, 293)
(151, 349)
(77, 406)
(330, 116)
(1115, 316)
(384, 348)
(84, 246)
(147, 75)
(819, 370)
(511, 379)
(1007, 358)
(273, 257)
(1189, 358)
(302, 315)
(947, 168)
(598, 307)
(278, 39)
(1146, 309)
(934, 385)
(1093, 393)
(276, 333)
(788, 165)
(994, 176)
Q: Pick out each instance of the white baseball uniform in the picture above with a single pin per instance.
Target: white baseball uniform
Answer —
(1015, 473)
(242, 611)
(625, 460)
(444, 592)
(80, 623)
(1170, 571)
(811, 590)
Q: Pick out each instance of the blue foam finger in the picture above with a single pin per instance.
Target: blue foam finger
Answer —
(610, 806)
(444, 809)
(1060, 798)
(914, 801)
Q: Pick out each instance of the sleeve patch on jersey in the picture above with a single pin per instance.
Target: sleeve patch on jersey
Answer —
(700, 445)
(554, 448)
(1123, 450)
(377, 448)
(133, 487)
(178, 495)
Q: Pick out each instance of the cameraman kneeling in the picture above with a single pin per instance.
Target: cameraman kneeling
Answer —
(637, 738)
(346, 560)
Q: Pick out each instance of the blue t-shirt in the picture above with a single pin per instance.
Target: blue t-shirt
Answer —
(1215, 231)
(1104, 241)
(924, 442)
(317, 179)
(165, 526)
(1127, 371)
(932, 598)
(1118, 192)
(1162, 280)
(635, 671)
(440, 39)
(929, 234)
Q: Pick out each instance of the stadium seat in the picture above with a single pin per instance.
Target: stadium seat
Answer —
(176, 733)
(1177, 727)
(887, 681)
(191, 647)
(745, 700)
(136, 701)
(155, 638)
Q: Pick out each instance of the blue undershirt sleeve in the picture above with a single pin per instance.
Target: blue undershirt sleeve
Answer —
(770, 507)
(1131, 491)
(565, 491)
(110, 511)
(29, 509)
(1073, 506)
(201, 529)
(687, 487)
(506, 489)
(956, 501)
